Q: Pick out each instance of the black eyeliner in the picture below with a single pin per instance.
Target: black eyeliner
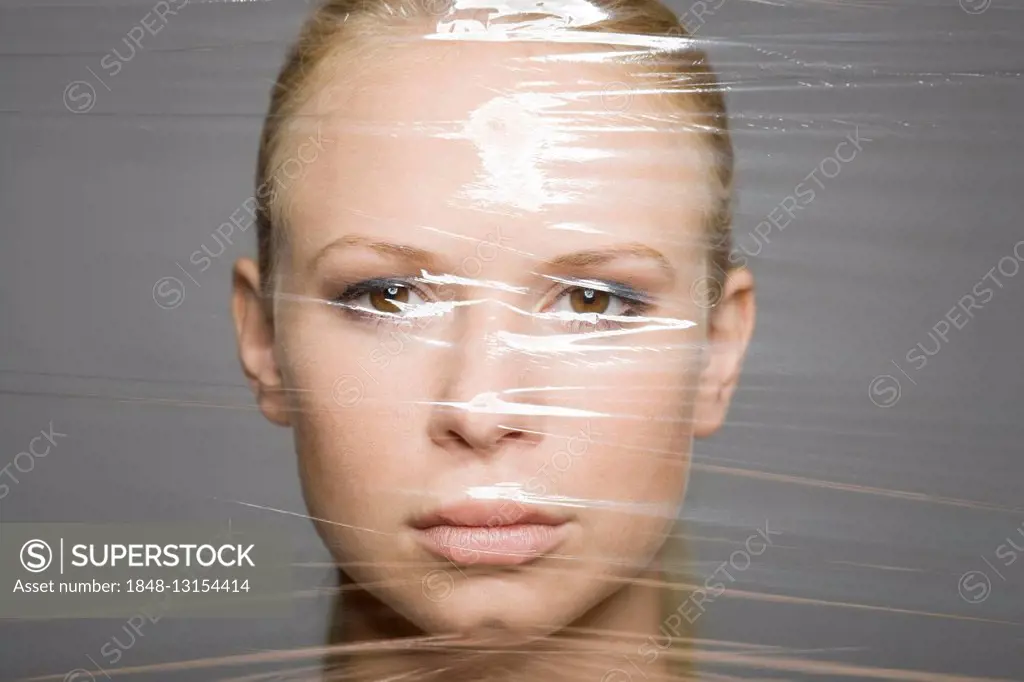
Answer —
(615, 288)
(368, 286)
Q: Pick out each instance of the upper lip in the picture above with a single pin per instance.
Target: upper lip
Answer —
(487, 513)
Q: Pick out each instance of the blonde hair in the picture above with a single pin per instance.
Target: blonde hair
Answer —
(681, 74)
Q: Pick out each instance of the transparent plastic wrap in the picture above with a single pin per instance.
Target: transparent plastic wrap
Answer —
(501, 295)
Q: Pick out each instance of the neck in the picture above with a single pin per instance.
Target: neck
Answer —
(606, 644)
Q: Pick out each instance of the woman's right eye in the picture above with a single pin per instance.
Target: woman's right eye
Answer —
(382, 297)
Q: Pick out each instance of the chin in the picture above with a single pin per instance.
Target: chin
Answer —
(510, 607)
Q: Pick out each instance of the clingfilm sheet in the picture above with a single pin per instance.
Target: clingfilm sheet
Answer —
(576, 340)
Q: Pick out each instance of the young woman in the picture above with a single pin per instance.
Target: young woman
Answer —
(493, 302)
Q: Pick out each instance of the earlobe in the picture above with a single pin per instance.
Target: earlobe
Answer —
(254, 332)
(730, 326)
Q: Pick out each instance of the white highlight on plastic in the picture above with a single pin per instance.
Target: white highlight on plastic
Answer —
(513, 138)
(576, 343)
(498, 285)
(491, 403)
(560, 14)
(516, 492)
(550, 20)
(572, 12)
(575, 227)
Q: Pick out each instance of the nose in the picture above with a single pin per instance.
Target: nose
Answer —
(482, 406)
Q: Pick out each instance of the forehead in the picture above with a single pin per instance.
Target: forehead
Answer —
(552, 142)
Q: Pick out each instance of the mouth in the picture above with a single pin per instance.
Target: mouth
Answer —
(486, 533)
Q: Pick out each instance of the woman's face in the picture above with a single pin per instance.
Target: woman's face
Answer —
(485, 332)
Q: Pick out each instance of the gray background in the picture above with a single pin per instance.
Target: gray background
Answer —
(882, 510)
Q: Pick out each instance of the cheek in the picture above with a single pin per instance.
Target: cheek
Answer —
(344, 421)
(639, 445)
(647, 391)
(639, 480)
(642, 463)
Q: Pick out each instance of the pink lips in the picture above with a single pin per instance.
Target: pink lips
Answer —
(490, 533)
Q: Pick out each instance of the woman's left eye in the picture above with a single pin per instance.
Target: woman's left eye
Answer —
(390, 299)
(595, 302)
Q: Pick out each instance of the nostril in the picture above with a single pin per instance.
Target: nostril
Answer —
(459, 440)
(514, 435)
(466, 440)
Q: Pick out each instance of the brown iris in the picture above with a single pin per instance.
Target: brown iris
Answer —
(385, 298)
(589, 300)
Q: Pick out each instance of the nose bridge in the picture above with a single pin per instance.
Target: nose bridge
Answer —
(485, 361)
(478, 400)
(494, 303)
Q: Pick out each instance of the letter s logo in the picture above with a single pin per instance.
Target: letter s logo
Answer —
(79, 97)
(36, 556)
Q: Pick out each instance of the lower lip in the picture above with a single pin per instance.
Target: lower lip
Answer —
(492, 546)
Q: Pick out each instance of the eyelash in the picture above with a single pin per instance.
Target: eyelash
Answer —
(371, 286)
(636, 303)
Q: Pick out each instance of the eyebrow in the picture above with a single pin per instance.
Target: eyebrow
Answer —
(422, 259)
(594, 257)
(426, 260)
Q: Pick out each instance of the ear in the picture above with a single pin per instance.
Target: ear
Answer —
(730, 324)
(254, 330)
